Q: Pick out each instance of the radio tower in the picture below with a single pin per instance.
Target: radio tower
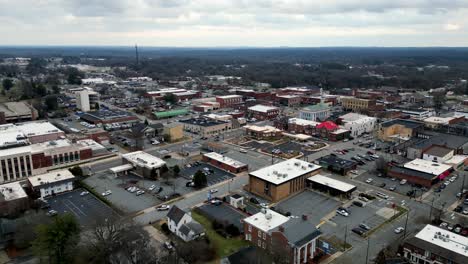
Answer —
(136, 55)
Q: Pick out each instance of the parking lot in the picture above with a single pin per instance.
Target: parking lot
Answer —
(87, 208)
(224, 214)
(315, 205)
(402, 189)
(130, 202)
(257, 144)
(214, 177)
(289, 148)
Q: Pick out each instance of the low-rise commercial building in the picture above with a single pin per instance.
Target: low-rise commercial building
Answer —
(296, 238)
(52, 183)
(170, 113)
(289, 100)
(331, 186)
(224, 162)
(434, 245)
(262, 132)
(263, 112)
(423, 172)
(358, 124)
(302, 126)
(21, 134)
(437, 154)
(399, 130)
(280, 180)
(206, 127)
(174, 131)
(338, 165)
(458, 144)
(142, 163)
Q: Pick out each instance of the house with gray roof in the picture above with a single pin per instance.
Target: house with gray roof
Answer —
(183, 225)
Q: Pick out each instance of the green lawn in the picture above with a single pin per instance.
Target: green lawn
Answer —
(223, 246)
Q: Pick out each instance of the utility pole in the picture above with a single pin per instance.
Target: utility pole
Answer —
(136, 55)
(367, 251)
(430, 212)
(406, 223)
(463, 185)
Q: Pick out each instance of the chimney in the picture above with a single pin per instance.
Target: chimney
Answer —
(281, 229)
(304, 217)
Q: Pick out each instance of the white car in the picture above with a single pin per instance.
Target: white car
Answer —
(213, 190)
(140, 192)
(369, 180)
(242, 150)
(355, 172)
(152, 187)
(342, 212)
(155, 142)
(106, 193)
(398, 230)
(446, 183)
(403, 182)
(163, 207)
(84, 193)
(452, 179)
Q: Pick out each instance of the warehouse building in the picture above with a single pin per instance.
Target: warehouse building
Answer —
(109, 116)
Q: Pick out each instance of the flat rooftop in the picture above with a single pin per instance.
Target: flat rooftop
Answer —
(12, 191)
(106, 114)
(335, 184)
(143, 159)
(229, 96)
(15, 109)
(354, 117)
(302, 122)
(206, 122)
(427, 166)
(226, 160)
(266, 220)
(17, 134)
(262, 108)
(265, 129)
(445, 239)
(51, 177)
(39, 128)
(285, 171)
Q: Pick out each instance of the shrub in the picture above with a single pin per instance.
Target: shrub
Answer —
(232, 230)
(165, 228)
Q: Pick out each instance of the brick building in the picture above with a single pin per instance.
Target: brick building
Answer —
(293, 239)
(280, 180)
(225, 163)
(263, 112)
(357, 104)
(262, 132)
(422, 172)
(229, 100)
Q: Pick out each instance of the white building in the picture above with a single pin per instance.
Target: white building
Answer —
(86, 100)
(53, 182)
(438, 154)
(144, 164)
(318, 112)
(183, 225)
(434, 245)
(358, 124)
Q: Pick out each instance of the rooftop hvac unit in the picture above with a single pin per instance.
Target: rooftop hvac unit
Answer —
(297, 163)
(268, 216)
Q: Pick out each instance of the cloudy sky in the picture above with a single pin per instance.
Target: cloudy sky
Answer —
(271, 23)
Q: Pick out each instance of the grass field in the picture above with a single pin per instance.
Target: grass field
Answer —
(223, 246)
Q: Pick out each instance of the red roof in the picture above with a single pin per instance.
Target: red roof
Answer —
(328, 125)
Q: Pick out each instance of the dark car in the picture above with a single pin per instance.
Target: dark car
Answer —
(359, 231)
(382, 185)
(458, 209)
(254, 201)
(167, 157)
(358, 203)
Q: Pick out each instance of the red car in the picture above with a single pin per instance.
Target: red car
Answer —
(464, 232)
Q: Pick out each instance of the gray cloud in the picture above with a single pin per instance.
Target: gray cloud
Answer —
(227, 22)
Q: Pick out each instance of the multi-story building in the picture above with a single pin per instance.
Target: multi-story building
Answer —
(86, 100)
(21, 162)
(434, 245)
(51, 183)
(229, 100)
(21, 134)
(13, 199)
(318, 112)
(109, 116)
(301, 126)
(358, 124)
(288, 100)
(280, 180)
(206, 127)
(263, 112)
(295, 240)
(357, 104)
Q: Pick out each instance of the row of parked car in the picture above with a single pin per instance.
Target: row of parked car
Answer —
(458, 229)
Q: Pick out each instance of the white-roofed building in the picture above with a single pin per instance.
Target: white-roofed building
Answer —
(52, 183)
(262, 132)
(434, 245)
(263, 112)
(28, 133)
(144, 164)
(427, 166)
(224, 162)
(282, 179)
(358, 124)
(330, 185)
